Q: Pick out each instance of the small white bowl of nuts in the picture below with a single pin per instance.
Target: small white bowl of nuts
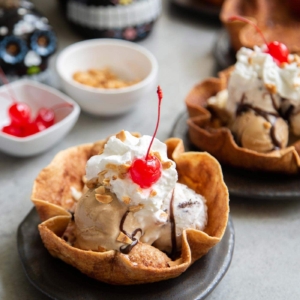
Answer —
(106, 76)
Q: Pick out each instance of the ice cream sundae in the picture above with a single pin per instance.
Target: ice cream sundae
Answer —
(118, 212)
(131, 209)
(258, 100)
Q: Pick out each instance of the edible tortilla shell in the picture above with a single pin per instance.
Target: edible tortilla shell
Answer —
(273, 17)
(220, 142)
(144, 264)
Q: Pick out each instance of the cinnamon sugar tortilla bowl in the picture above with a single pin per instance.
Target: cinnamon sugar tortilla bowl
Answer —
(144, 264)
(207, 131)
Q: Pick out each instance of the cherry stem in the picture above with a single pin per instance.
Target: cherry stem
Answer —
(61, 105)
(242, 19)
(160, 96)
(5, 81)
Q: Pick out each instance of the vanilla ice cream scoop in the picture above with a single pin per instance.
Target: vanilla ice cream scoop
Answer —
(116, 213)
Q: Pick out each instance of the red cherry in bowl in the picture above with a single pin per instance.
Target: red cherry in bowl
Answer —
(19, 113)
(45, 116)
(13, 129)
(33, 128)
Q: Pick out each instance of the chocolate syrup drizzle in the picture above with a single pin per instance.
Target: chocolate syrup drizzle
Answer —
(268, 116)
(173, 227)
(125, 249)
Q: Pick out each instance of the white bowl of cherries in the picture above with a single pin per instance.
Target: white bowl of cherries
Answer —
(33, 117)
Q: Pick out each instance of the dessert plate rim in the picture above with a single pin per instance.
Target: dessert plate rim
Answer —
(245, 184)
(59, 276)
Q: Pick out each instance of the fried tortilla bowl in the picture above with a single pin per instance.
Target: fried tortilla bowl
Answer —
(208, 132)
(276, 19)
(53, 200)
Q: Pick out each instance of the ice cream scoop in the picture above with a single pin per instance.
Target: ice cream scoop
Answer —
(116, 213)
(260, 132)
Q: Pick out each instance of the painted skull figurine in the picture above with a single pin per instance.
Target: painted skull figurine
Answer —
(26, 40)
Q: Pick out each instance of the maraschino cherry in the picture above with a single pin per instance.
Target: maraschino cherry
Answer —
(278, 51)
(146, 171)
(21, 123)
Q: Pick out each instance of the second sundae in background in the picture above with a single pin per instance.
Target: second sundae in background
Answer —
(258, 100)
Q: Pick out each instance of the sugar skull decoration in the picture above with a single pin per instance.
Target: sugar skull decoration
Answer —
(130, 20)
(26, 39)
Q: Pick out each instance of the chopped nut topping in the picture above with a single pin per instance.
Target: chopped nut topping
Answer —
(135, 208)
(84, 180)
(282, 65)
(106, 181)
(91, 184)
(164, 216)
(123, 168)
(105, 199)
(267, 125)
(175, 262)
(101, 175)
(153, 193)
(122, 175)
(166, 165)
(102, 172)
(111, 167)
(126, 199)
(271, 88)
(100, 190)
(114, 177)
(123, 238)
(121, 135)
(250, 60)
(296, 59)
(157, 155)
(136, 134)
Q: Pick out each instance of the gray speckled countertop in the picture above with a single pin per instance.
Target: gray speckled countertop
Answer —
(266, 260)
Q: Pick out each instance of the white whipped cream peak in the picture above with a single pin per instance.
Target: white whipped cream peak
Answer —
(254, 71)
(119, 152)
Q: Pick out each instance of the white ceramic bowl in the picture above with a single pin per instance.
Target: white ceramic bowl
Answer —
(36, 95)
(126, 59)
